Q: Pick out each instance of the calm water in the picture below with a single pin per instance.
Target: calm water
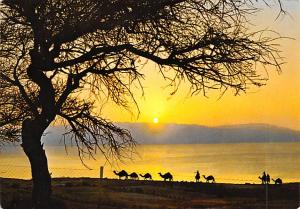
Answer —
(237, 163)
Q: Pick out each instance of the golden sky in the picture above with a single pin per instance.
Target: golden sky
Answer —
(277, 103)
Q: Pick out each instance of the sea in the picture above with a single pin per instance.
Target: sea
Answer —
(228, 163)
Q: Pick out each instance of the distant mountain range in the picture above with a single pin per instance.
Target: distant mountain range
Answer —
(195, 134)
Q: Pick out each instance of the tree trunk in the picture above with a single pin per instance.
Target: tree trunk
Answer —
(32, 131)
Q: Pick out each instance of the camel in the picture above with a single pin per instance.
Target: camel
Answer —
(209, 178)
(134, 176)
(277, 181)
(197, 177)
(166, 176)
(263, 178)
(146, 176)
(121, 174)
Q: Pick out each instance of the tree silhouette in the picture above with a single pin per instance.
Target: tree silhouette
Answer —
(51, 51)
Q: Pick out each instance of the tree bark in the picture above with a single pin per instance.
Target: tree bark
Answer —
(32, 131)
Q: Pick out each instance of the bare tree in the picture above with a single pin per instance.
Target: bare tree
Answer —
(51, 50)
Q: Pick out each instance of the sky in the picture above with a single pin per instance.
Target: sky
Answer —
(277, 103)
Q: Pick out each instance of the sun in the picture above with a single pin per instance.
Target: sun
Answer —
(155, 120)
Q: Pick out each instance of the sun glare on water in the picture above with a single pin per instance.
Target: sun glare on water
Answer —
(155, 120)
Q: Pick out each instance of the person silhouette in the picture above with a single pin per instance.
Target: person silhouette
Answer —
(268, 179)
(197, 177)
(264, 178)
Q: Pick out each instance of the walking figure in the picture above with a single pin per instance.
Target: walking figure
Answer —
(197, 177)
(268, 179)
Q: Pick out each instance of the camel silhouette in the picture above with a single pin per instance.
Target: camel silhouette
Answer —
(209, 178)
(146, 176)
(277, 181)
(263, 178)
(166, 176)
(134, 176)
(121, 174)
(197, 177)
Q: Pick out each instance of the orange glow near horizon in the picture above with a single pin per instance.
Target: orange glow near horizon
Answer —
(277, 103)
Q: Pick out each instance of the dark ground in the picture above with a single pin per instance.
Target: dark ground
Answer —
(85, 193)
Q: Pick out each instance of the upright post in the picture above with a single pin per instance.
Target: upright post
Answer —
(101, 172)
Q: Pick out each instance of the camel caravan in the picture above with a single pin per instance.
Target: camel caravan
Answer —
(265, 178)
(124, 174)
(166, 176)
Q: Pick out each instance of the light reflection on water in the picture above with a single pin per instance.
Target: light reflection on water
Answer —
(236, 163)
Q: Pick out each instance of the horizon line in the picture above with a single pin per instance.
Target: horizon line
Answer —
(201, 125)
